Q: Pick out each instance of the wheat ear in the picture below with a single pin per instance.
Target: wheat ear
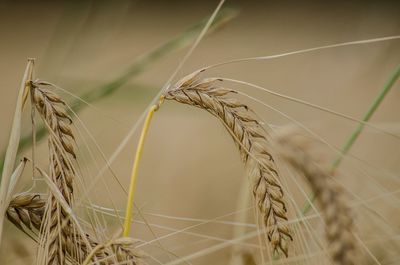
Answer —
(253, 144)
(26, 211)
(294, 149)
(62, 172)
(62, 236)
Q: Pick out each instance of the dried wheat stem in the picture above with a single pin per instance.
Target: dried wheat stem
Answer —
(339, 228)
(12, 148)
(253, 144)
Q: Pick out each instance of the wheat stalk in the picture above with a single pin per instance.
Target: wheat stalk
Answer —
(294, 149)
(253, 144)
(13, 144)
(62, 237)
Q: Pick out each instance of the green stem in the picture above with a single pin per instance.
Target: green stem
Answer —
(357, 131)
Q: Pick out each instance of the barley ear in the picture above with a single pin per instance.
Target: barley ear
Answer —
(52, 110)
(253, 144)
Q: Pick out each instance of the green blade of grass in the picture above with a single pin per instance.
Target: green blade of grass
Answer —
(357, 131)
(144, 61)
(179, 42)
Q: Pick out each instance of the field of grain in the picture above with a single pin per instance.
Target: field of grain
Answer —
(198, 171)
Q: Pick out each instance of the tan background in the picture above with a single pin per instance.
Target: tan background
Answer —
(190, 167)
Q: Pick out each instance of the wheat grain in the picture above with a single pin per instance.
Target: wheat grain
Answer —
(294, 149)
(60, 140)
(120, 251)
(252, 141)
(26, 211)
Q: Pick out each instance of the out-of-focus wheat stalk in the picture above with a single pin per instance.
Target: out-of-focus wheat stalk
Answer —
(295, 150)
(357, 131)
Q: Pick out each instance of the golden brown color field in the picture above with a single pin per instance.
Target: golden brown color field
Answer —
(191, 178)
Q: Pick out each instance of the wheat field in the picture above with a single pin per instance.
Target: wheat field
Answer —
(179, 132)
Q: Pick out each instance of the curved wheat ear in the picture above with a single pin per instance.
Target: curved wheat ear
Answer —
(26, 211)
(252, 141)
(294, 149)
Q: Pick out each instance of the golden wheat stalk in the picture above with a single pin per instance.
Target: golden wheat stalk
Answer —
(294, 149)
(62, 239)
(253, 144)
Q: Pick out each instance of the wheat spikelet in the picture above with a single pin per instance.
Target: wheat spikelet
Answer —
(115, 253)
(121, 250)
(252, 141)
(294, 149)
(27, 210)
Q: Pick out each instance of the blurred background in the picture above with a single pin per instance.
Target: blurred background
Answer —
(119, 54)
